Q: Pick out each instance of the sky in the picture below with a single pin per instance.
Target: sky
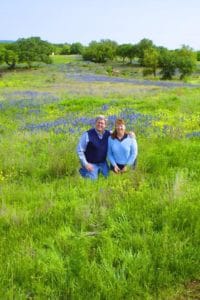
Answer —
(168, 23)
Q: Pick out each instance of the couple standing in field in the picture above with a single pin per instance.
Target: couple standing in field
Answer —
(98, 144)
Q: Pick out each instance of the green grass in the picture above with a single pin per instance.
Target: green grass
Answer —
(133, 236)
(62, 59)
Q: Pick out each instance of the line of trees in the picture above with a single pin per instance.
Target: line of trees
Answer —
(149, 56)
(145, 54)
(33, 49)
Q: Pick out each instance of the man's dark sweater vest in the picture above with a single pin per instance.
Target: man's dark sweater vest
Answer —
(96, 150)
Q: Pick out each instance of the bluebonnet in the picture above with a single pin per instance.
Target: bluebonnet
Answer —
(104, 78)
(27, 99)
(193, 134)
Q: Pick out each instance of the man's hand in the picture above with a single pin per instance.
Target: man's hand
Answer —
(89, 167)
(132, 134)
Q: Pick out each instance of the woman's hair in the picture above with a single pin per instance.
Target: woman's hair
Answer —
(117, 122)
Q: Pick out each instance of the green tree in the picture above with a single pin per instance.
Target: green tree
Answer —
(76, 48)
(2, 55)
(101, 51)
(186, 61)
(143, 45)
(127, 51)
(167, 63)
(198, 55)
(33, 49)
(151, 61)
(57, 48)
(11, 58)
(65, 49)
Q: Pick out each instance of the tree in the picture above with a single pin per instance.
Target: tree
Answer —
(186, 61)
(2, 55)
(127, 51)
(101, 51)
(198, 55)
(76, 48)
(143, 45)
(151, 60)
(33, 49)
(11, 58)
(121, 51)
(65, 49)
(167, 63)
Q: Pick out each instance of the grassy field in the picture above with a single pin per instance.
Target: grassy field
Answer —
(131, 236)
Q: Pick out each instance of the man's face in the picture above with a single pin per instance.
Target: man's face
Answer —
(100, 125)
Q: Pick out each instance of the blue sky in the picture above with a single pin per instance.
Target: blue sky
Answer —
(169, 23)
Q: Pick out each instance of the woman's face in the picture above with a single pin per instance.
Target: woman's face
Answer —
(120, 128)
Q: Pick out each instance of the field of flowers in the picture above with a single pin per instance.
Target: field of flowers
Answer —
(131, 236)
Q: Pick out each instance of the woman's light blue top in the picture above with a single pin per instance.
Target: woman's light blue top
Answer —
(122, 152)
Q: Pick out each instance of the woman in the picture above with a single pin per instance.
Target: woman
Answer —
(122, 148)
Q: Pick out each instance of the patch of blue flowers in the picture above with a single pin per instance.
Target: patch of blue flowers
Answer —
(193, 134)
(81, 77)
(72, 123)
(27, 99)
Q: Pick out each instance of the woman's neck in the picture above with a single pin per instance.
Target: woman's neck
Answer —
(120, 136)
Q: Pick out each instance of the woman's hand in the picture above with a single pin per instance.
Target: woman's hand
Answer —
(116, 169)
(124, 169)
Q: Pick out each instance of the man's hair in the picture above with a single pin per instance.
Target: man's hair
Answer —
(101, 117)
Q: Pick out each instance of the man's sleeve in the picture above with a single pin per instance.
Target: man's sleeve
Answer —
(82, 145)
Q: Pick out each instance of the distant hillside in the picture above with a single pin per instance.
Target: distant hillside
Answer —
(6, 41)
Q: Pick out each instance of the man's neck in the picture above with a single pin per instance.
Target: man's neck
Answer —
(99, 132)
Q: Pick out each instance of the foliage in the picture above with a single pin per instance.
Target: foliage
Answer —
(76, 48)
(33, 49)
(181, 60)
(198, 55)
(100, 51)
(11, 58)
(127, 51)
(151, 60)
(143, 46)
(64, 50)
(57, 48)
(2, 55)
(186, 61)
(144, 56)
(133, 236)
(167, 63)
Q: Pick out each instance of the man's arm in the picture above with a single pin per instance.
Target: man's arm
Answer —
(134, 151)
(81, 148)
(131, 134)
(110, 153)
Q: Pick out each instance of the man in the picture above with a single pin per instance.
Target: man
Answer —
(92, 150)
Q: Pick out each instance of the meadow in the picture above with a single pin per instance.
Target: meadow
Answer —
(131, 236)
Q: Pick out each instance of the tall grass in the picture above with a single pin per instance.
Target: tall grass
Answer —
(132, 236)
